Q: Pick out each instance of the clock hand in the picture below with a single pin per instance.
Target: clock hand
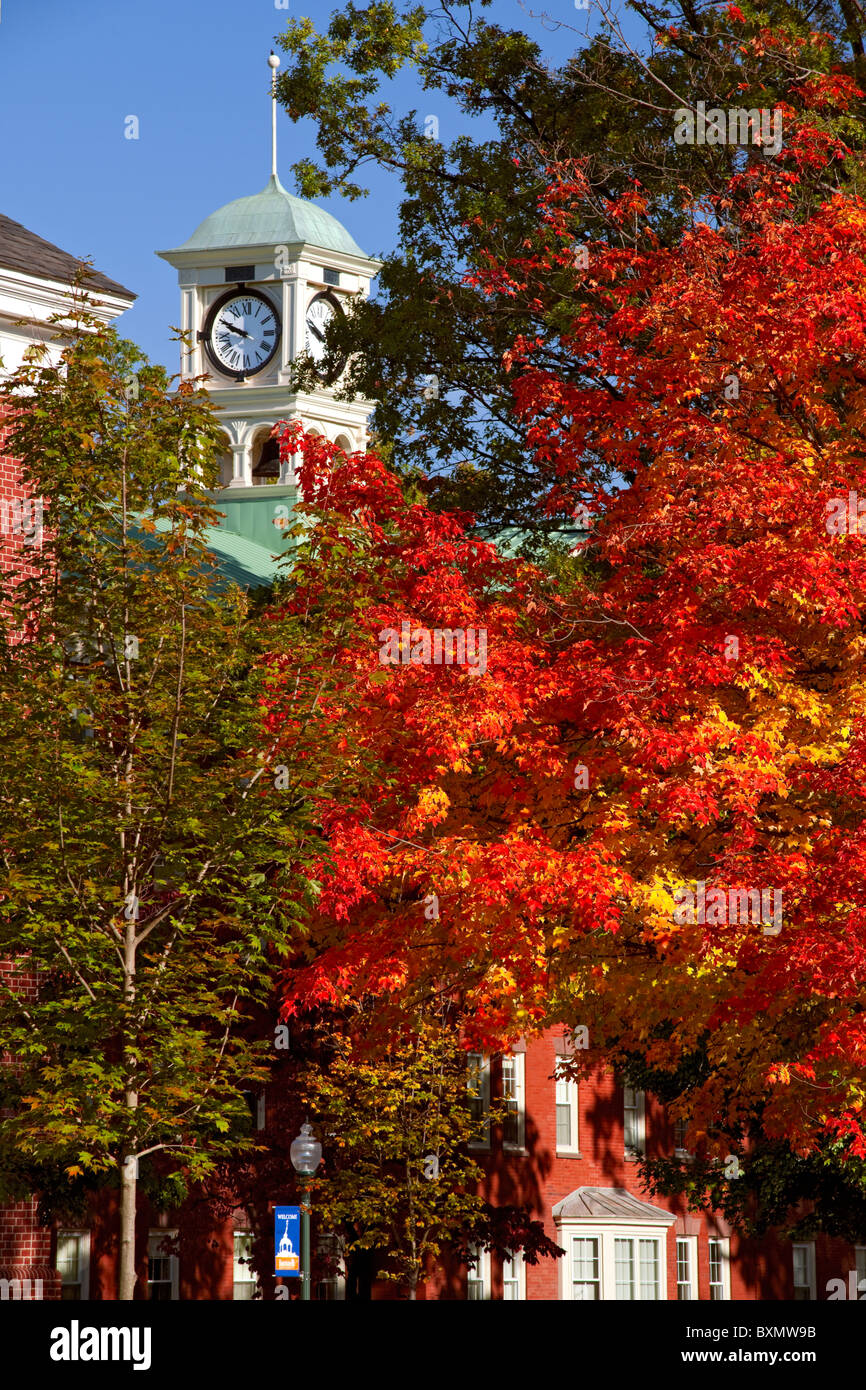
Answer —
(313, 329)
(234, 329)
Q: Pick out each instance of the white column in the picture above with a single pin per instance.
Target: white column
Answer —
(189, 361)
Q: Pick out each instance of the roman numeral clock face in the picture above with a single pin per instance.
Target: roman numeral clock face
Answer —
(242, 334)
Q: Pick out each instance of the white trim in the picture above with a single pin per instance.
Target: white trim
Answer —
(516, 1063)
(566, 1093)
(808, 1246)
(83, 1258)
(606, 1234)
(724, 1283)
(687, 1255)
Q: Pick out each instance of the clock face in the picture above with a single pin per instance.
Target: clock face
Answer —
(319, 314)
(243, 333)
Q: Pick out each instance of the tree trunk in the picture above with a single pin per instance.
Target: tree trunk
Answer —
(128, 1188)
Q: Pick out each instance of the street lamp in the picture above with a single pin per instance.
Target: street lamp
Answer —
(306, 1155)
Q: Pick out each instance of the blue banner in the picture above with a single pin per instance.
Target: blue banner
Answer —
(287, 1241)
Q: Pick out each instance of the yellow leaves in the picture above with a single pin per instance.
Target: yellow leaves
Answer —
(431, 808)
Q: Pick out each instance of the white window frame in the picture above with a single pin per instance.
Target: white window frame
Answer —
(724, 1264)
(566, 1094)
(517, 1062)
(632, 1152)
(243, 1274)
(607, 1234)
(478, 1287)
(687, 1255)
(83, 1281)
(155, 1237)
(514, 1274)
(483, 1093)
(808, 1246)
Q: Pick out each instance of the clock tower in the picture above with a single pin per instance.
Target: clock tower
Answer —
(259, 280)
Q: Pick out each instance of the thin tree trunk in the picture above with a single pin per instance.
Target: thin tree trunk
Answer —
(128, 1188)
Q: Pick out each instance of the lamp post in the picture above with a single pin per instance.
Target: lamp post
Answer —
(306, 1155)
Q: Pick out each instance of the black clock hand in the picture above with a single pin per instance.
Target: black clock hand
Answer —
(233, 329)
(313, 329)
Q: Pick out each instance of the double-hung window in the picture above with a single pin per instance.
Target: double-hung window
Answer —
(803, 1260)
(687, 1268)
(244, 1280)
(634, 1121)
(478, 1087)
(73, 1263)
(514, 1277)
(162, 1267)
(478, 1277)
(720, 1272)
(513, 1097)
(566, 1114)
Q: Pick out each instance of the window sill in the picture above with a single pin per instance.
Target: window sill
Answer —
(568, 1153)
(519, 1149)
(632, 1157)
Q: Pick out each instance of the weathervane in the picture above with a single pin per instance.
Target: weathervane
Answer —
(273, 64)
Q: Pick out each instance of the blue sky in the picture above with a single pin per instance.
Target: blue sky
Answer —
(195, 74)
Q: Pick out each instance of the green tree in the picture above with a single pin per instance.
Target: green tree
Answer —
(400, 1180)
(144, 868)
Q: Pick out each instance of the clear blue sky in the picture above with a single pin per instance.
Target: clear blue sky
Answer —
(195, 74)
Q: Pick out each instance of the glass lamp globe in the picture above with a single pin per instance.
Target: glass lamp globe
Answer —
(305, 1151)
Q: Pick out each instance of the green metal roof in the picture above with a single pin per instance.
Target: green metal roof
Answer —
(270, 218)
(249, 541)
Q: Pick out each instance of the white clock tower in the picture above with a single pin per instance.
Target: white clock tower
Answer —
(259, 280)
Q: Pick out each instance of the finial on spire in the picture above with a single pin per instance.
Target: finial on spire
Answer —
(273, 64)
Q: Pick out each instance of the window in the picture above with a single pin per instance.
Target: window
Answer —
(239, 273)
(687, 1268)
(680, 1149)
(161, 1267)
(514, 1277)
(73, 1263)
(634, 1128)
(585, 1280)
(616, 1262)
(478, 1086)
(636, 1268)
(720, 1274)
(331, 1285)
(566, 1115)
(803, 1258)
(245, 1280)
(330, 277)
(514, 1124)
(860, 1264)
(478, 1278)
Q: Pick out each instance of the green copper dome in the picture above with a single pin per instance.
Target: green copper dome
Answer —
(271, 218)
